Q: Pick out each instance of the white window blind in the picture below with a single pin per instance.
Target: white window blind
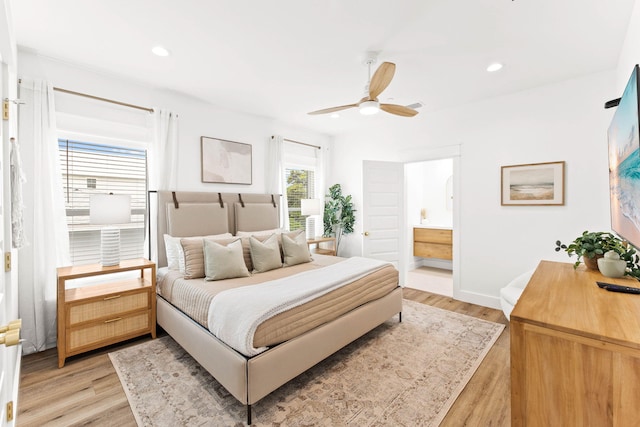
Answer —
(302, 167)
(91, 168)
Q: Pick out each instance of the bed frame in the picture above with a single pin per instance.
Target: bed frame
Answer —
(249, 379)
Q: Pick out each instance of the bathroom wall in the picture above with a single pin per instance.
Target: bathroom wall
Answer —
(428, 185)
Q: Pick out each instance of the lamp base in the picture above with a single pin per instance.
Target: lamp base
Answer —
(310, 227)
(110, 246)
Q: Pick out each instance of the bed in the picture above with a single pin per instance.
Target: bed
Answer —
(277, 354)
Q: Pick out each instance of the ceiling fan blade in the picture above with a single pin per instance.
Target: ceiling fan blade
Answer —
(332, 109)
(398, 110)
(381, 79)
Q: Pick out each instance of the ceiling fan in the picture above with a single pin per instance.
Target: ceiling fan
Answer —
(369, 104)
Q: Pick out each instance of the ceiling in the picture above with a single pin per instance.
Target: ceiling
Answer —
(284, 58)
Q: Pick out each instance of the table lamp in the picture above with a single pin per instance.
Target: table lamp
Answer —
(109, 209)
(310, 208)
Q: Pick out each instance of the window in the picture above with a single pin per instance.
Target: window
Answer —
(91, 168)
(303, 176)
(300, 185)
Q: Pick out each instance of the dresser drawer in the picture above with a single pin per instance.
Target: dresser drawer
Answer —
(107, 306)
(91, 334)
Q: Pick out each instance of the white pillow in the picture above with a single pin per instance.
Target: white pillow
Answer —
(265, 255)
(223, 262)
(295, 250)
(175, 253)
(260, 232)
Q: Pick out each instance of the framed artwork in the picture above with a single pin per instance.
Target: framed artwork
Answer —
(225, 161)
(533, 184)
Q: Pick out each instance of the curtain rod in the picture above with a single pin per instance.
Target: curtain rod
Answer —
(301, 143)
(124, 104)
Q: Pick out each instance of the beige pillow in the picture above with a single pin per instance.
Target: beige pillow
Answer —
(192, 247)
(295, 250)
(223, 261)
(265, 255)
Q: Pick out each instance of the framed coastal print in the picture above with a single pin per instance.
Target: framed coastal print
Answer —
(533, 184)
(225, 161)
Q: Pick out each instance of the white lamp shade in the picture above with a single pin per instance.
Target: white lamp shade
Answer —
(310, 206)
(109, 209)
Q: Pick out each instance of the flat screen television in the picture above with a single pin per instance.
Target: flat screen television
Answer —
(624, 165)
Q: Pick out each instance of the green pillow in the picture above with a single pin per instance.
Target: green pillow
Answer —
(223, 262)
(296, 250)
(265, 255)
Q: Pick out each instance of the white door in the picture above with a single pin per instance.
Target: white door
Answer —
(383, 211)
(9, 356)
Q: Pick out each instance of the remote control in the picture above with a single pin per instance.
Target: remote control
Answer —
(625, 289)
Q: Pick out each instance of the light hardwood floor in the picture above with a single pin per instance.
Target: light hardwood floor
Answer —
(87, 390)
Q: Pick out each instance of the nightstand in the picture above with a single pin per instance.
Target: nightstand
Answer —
(320, 250)
(96, 315)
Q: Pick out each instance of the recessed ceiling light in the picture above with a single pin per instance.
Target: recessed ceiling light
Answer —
(494, 67)
(335, 116)
(160, 51)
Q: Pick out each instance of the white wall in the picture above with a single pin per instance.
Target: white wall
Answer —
(564, 121)
(426, 189)
(630, 53)
(196, 118)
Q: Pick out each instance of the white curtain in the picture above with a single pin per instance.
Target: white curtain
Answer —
(163, 153)
(162, 168)
(276, 178)
(44, 216)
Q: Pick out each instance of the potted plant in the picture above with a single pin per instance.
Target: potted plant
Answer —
(593, 245)
(339, 215)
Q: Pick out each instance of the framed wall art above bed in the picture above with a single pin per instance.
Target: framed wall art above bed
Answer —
(225, 161)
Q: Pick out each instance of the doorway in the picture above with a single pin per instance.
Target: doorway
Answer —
(429, 219)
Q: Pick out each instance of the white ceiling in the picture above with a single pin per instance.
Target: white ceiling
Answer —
(284, 58)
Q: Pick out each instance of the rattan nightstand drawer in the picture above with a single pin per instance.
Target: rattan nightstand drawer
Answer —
(118, 308)
(106, 331)
(106, 306)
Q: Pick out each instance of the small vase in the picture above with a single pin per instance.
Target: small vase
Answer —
(591, 263)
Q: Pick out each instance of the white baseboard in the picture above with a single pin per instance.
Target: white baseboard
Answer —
(478, 299)
(438, 263)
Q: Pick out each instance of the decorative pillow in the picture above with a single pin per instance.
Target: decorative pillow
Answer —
(260, 232)
(265, 255)
(295, 250)
(175, 256)
(223, 261)
(192, 248)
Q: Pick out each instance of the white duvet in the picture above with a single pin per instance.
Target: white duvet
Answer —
(235, 314)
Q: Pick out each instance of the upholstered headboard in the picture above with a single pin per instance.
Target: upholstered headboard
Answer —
(189, 213)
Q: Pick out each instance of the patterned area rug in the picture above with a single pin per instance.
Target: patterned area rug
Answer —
(399, 374)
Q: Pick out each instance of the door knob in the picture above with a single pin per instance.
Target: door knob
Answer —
(366, 233)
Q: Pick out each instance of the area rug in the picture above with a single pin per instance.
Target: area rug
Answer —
(399, 374)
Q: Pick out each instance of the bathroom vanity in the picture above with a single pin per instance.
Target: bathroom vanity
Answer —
(433, 242)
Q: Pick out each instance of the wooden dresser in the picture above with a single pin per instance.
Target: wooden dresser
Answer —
(432, 242)
(575, 350)
(93, 316)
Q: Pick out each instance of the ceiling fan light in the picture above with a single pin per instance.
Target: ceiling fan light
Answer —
(369, 107)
